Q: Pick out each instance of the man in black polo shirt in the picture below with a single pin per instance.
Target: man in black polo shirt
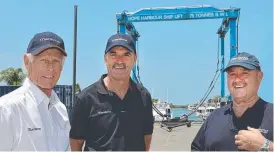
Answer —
(247, 122)
(115, 113)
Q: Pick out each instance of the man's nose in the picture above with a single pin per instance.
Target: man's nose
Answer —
(50, 67)
(119, 59)
(238, 78)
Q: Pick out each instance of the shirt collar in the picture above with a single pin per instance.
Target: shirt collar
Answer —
(250, 116)
(37, 93)
(102, 89)
(255, 107)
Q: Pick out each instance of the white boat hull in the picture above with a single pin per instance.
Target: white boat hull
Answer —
(164, 108)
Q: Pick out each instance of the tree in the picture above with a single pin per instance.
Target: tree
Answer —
(171, 105)
(155, 100)
(77, 88)
(12, 76)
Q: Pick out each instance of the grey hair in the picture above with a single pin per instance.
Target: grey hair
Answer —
(30, 58)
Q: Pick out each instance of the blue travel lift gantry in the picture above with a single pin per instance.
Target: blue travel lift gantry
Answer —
(230, 18)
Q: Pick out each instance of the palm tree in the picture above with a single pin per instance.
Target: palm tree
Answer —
(12, 76)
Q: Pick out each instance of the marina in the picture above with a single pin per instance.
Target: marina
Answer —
(175, 65)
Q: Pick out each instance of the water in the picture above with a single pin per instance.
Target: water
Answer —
(177, 112)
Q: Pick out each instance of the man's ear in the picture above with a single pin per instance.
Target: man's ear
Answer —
(26, 61)
(260, 76)
(105, 58)
(135, 58)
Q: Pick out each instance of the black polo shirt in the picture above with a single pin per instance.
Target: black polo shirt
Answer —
(219, 130)
(106, 122)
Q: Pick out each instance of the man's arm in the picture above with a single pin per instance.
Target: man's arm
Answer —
(76, 145)
(149, 122)
(148, 141)
(6, 134)
(198, 142)
(79, 124)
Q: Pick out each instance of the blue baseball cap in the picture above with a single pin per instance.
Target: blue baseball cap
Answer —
(244, 60)
(121, 39)
(45, 40)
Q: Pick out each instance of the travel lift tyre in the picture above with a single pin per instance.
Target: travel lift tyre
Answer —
(176, 122)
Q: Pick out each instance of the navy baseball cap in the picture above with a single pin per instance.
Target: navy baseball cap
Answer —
(42, 41)
(244, 60)
(121, 39)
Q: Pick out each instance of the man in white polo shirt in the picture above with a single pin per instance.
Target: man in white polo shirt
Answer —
(32, 118)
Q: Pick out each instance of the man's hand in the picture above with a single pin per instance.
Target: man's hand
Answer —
(250, 139)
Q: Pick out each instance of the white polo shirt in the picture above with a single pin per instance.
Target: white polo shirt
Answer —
(31, 121)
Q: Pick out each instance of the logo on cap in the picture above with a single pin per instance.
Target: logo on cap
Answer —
(119, 39)
(49, 39)
(240, 58)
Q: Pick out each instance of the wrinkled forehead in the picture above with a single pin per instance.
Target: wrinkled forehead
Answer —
(50, 53)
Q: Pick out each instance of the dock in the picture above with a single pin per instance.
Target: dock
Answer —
(179, 139)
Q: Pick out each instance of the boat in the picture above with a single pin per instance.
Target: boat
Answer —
(164, 108)
(207, 108)
(191, 107)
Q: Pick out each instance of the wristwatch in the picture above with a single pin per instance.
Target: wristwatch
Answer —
(266, 146)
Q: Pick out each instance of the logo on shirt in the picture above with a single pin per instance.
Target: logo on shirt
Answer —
(263, 131)
(33, 129)
(103, 112)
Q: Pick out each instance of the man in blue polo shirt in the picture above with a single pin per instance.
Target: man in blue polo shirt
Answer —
(247, 122)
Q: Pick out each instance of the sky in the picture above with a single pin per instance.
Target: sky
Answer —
(177, 59)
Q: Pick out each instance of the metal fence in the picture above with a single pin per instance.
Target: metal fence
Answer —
(64, 92)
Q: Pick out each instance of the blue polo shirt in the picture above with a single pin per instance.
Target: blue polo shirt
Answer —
(219, 130)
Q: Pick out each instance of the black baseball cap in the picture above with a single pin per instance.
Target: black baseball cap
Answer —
(244, 60)
(42, 41)
(121, 39)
